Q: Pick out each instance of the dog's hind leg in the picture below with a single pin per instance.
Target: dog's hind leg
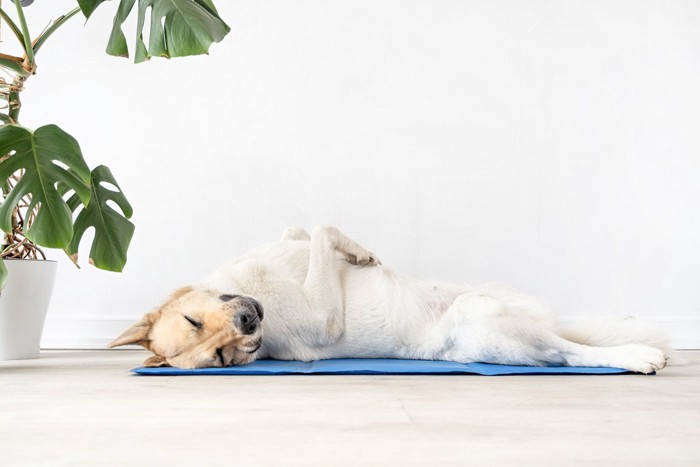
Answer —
(480, 328)
(322, 285)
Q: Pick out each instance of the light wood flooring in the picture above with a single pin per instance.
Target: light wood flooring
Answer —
(84, 408)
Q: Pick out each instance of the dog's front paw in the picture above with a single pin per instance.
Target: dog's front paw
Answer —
(366, 258)
(642, 358)
(295, 233)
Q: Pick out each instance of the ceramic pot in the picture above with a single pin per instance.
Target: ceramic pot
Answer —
(23, 305)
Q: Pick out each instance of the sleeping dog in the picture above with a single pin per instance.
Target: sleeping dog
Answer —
(319, 296)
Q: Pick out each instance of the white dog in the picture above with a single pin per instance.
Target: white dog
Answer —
(325, 296)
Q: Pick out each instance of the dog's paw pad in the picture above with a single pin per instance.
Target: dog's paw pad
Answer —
(364, 259)
(373, 260)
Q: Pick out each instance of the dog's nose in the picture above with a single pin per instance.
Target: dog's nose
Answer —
(253, 304)
(258, 308)
(247, 321)
(249, 302)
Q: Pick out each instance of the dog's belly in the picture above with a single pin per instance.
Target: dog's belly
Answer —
(367, 335)
(369, 331)
(385, 317)
(382, 318)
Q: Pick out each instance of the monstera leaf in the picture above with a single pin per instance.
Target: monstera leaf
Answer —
(113, 231)
(89, 6)
(49, 156)
(178, 27)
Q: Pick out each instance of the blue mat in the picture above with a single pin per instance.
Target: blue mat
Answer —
(379, 366)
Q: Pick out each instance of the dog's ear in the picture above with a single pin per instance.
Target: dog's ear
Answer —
(137, 334)
(155, 361)
(180, 292)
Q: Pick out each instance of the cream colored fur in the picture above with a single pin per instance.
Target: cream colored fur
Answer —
(325, 296)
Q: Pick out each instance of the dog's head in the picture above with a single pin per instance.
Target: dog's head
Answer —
(197, 328)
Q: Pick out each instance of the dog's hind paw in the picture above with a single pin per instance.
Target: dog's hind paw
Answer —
(642, 358)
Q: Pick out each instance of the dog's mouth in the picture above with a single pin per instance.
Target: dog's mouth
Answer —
(257, 347)
(246, 353)
(252, 348)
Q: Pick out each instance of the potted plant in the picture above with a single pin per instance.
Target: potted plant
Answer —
(50, 195)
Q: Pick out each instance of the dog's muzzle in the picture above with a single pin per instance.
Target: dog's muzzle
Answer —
(247, 320)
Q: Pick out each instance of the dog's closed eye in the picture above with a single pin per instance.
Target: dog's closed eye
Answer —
(193, 322)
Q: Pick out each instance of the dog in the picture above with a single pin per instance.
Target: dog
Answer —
(320, 296)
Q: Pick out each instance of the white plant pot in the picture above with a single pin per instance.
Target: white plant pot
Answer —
(23, 306)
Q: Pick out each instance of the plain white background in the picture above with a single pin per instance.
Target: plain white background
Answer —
(551, 145)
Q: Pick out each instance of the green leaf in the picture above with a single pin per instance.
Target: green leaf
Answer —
(177, 28)
(89, 6)
(35, 153)
(117, 41)
(113, 231)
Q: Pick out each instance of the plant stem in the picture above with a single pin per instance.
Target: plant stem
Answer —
(15, 102)
(57, 23)
(12, 26)
(29, 63)
(23, 68)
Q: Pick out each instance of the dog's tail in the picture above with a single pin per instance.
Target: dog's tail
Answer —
(606, 332)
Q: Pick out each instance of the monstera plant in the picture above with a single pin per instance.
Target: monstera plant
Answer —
(50, 195)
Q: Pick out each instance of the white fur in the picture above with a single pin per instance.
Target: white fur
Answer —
(318, 305)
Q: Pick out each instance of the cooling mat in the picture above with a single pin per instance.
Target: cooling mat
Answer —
(378, 366)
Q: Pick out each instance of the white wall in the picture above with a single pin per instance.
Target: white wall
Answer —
(552, 145)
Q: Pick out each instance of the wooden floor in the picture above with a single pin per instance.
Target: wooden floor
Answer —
(85, 408)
